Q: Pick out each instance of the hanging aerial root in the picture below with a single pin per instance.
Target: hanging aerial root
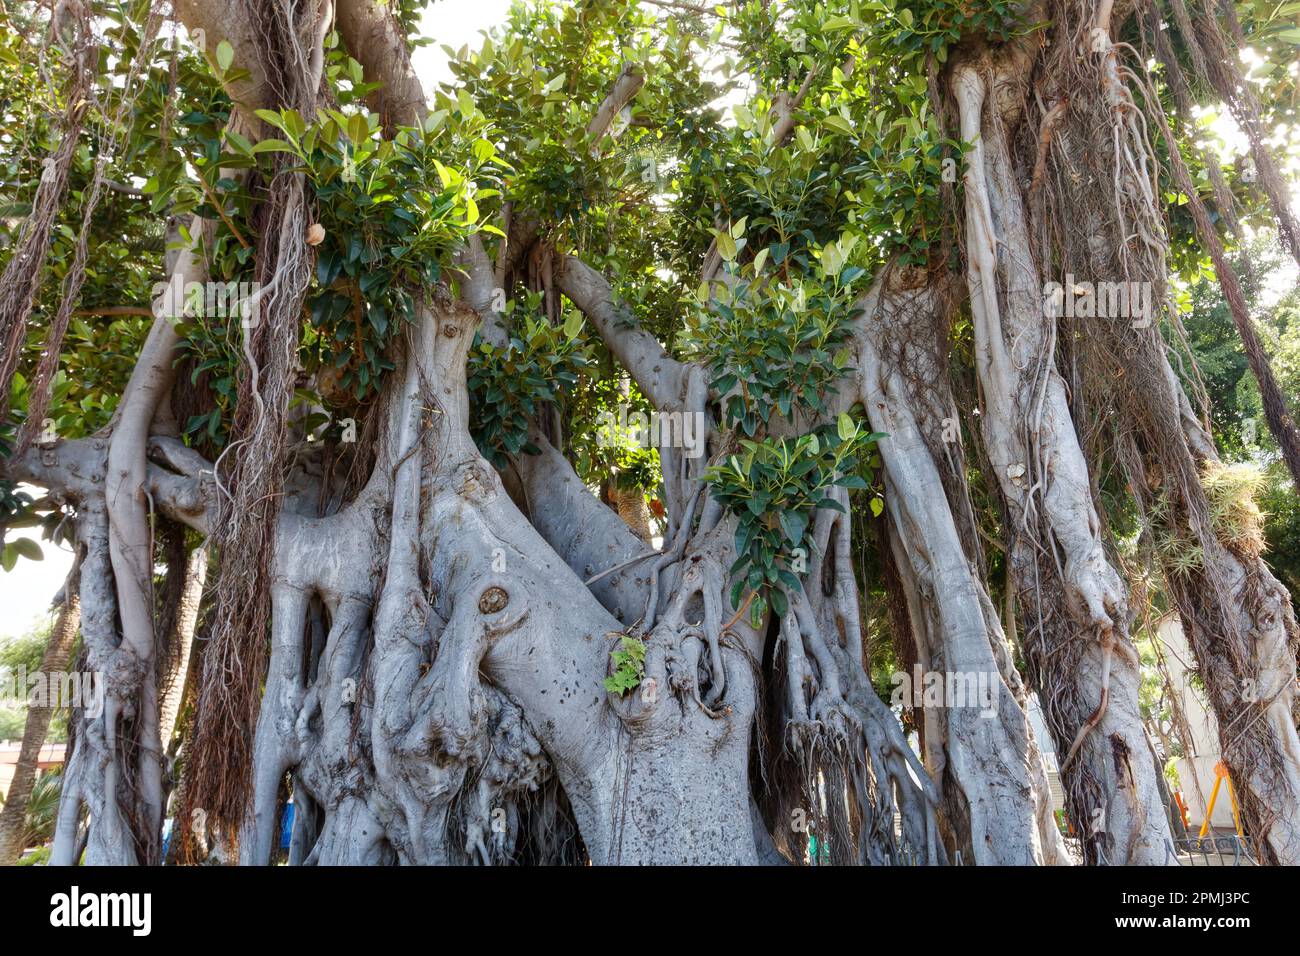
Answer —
(1072, 595)
(22, 275)
(508, 807)
(218, 776)
(1146, 425)
(1095, 717)
(1186, 109)
(843, 753)
(1046, 130)
(1281, 422)
(1220, 61)
(70, 293)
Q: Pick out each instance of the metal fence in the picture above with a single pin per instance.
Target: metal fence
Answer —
(1230, 850)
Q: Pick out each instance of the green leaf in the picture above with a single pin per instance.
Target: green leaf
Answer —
(28, 549)
(240, 144)
(838, 123)
(845, 427)
(225, 55)
(794, 524)
(444, 175)
(726, 246)
(358, 128)
(294, 124)
(572, 325)
(272, 118)
(273, 146)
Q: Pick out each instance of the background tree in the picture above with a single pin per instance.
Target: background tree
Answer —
(16, 827)
(1236, 412)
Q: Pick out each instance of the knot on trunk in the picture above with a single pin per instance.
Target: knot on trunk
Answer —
(474, 483)
(493, 600)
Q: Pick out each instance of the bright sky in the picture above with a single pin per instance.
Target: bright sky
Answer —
(455, 23)
(25, 592)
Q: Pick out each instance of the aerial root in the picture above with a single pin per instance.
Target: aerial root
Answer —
(1107, 651)
(842, 739)
(671, 556)
(693, 651)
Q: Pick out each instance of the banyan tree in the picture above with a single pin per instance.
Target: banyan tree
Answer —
(552, 464)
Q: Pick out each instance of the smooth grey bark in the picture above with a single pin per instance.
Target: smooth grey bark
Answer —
(458, 642)
(1041, 473)
(590, 537)
(987, 761)
(531, 629)
(187, 615)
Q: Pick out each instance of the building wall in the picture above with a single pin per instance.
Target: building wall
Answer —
(1196, 770)
(51, 755)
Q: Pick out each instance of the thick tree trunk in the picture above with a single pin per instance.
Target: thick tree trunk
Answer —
(93, 775)
(1076, 640)
(1238, 619)
(13, 816)
(591, 538)
(981, 751)
(116, 758)
(438, 648)
(468, 588)
(182, 638)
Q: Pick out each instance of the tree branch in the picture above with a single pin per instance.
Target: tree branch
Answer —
(626, 86)
(216, 21)
(659, 376)
(374, 38)
(782, 114)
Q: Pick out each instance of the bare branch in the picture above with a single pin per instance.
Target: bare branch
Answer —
(628, 83)
(659, 376)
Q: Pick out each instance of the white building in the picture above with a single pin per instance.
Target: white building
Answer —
(1195, 769)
